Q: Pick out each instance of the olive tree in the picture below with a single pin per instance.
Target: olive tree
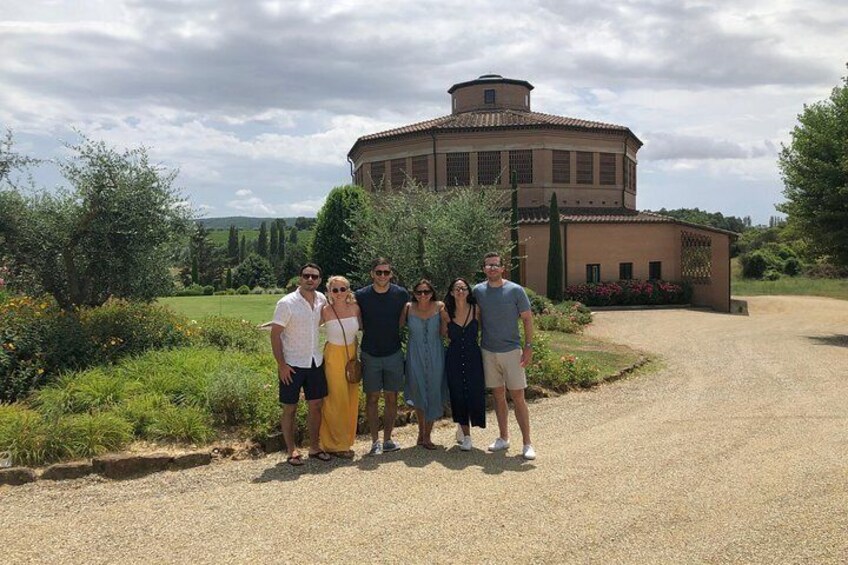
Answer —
(439, 235)
(109, 232)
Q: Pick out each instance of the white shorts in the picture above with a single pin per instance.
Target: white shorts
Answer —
(504, 369)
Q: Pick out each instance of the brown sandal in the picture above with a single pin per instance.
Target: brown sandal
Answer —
(295, 460)
(322, 455)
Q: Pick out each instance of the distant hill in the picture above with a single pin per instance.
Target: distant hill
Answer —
(241, 222)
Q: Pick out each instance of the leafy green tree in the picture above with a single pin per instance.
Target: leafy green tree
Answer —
(333, 230)
(254, 271)
(303, 223)
(109, 233)
(207, 260)
(262, 242)
(440, 235)
(814, 167)
(195, 277)
(554, 252)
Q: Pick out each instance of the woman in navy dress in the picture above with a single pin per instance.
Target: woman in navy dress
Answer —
(463, 361)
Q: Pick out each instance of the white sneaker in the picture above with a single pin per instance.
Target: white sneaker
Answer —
(459, 435)
(376, 448)
(528, 452)
(500, 444)
(466, 444)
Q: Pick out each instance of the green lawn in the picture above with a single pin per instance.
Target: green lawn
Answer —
(832, 288)
(609, 358)
(256, 308)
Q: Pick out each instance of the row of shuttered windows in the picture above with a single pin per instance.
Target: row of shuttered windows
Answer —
(490, 169)
(625, 271)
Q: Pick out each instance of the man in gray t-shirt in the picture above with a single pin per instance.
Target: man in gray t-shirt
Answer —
(502, 304)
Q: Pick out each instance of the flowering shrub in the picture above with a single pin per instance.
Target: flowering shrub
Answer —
(224, 332)
(630, 292)
(120, 328)
(558, 372)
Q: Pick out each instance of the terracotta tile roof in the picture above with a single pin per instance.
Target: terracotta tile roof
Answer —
(485, 119)
(539, 215)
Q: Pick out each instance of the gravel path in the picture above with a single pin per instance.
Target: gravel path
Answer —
(734, 451)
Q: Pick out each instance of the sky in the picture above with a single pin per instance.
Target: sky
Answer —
(258, 103)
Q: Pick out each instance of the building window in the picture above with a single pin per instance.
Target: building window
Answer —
(607, 172)
(378, 173)
(695, 257)
(625, 271)
(421, 170)
(593, 273)
(457, 165)
(489, 96)
(585, 168)
(561, 167)
(655, 270)
(488, 167)
(631, 176)
(398, 172)
(521, 161)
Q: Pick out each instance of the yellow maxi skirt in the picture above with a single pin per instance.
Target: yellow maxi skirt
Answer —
(341, 406)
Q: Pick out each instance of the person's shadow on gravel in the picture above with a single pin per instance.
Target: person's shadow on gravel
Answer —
(282, 471)
(835, 339)
(455, 459)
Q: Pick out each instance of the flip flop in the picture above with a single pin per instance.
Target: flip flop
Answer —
(431, 446)
(322, 455)
(343, 454)
(294, 460)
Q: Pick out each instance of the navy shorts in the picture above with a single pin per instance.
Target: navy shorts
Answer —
(311, 379)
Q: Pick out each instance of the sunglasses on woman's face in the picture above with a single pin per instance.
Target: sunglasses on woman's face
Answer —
(310, 276)
(339, 289)
(460, 289)
(424, 292)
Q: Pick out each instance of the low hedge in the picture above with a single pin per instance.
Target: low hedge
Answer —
(39, 340)
(630, 292)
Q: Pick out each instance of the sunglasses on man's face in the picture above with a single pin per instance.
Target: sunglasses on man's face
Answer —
(339, 289)
(382, 273)
(492, 267)
(424, 292)
(310, 276)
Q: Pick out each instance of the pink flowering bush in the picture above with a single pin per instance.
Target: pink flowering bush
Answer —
(629, 292)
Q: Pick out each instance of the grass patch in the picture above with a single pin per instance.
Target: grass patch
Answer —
(608, 358)
(796, 286)
(255, 308)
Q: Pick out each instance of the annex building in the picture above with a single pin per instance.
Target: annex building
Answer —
(590, 166)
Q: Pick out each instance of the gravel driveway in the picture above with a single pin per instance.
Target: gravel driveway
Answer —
(734, 451)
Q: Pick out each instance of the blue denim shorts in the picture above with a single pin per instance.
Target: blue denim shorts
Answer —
(383, 373)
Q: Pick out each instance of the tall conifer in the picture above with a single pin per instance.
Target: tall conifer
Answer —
(554, 252)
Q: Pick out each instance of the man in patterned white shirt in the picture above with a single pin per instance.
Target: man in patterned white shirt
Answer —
(300, 361)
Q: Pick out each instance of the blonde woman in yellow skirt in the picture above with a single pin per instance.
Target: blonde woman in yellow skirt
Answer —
(341, 406)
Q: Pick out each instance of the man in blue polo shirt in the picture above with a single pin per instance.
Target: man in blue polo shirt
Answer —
(502, 304)
(381, 304)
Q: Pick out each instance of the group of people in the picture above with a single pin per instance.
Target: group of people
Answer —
(484, 351)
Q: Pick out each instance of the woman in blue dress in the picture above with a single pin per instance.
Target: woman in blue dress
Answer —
(425, 359)
(464, 362)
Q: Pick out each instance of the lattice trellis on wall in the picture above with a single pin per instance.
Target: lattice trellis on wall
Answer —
(695, 257)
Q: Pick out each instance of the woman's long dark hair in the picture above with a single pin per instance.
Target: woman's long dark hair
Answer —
(450, 303)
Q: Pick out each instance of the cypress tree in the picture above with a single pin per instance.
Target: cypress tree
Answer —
(262, 244)
(273, 243)
(293, 236)
(554, 253)
(233, 245)
(229, 278)
(281, 243)
(515, 267)
(243, 249)
(330, 242)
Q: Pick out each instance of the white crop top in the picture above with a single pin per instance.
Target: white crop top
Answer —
(334, 330)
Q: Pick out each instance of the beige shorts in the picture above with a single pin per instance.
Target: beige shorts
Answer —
(504, 369)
